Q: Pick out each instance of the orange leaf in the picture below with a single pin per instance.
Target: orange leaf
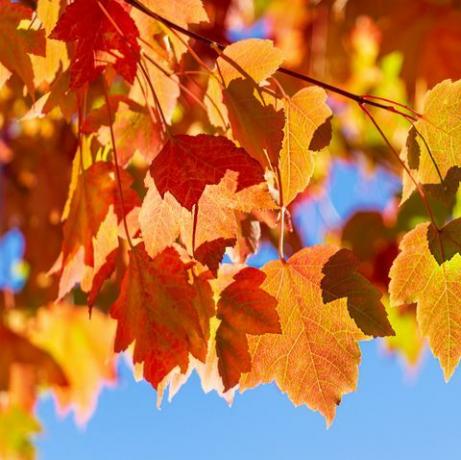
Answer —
(256, 126)
(315, 359)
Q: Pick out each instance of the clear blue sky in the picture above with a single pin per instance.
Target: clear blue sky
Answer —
(391, 416)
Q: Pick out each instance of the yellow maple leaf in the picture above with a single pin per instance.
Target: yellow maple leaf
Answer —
(416, 276)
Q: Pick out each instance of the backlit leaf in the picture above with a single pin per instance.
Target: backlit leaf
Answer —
(417, 277)
(100, 29)
(305, 113)
(315, 360)
(188, 163)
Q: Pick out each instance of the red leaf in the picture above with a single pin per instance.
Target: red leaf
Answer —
(187, 164)
(102, 29)
(211, 253)
(156, 309)
(244, 308)
(102, 275)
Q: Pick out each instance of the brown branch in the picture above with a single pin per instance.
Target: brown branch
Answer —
(292, 73)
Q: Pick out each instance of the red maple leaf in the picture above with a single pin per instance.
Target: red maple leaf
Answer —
(102, 30)
(156, 309)
(187, 164)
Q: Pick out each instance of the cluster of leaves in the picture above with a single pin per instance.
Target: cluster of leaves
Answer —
(137, 153)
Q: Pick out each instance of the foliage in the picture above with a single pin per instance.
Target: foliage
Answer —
(144, 160)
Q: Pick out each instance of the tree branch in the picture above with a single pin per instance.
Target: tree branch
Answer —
(306, 78)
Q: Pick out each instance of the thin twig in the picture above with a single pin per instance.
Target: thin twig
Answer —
(117, 166)
(306, 78)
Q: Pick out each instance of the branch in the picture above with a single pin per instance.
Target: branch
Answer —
(306, 78)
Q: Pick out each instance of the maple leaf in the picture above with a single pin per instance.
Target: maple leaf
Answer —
(220, 218)
(254, 58)
(136, 128)
(417, 277)
(436, 149)
(156, 309)
(46, 67)
(305, 113)
(159, 219)
(257, 126)
(243, 308)
(210, 253)
(222, 212)
(102, 29)
(16, 44)
(315, 359)
(94, 193)
(83, 349)
(18, 350)
(17, 429)
(187, 164)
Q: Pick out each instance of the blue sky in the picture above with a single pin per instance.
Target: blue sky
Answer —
(391, 416)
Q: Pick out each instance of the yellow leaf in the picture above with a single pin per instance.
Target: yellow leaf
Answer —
(83, 348)
(417, 277)
(16, 430)
(45, 68)
(305, 113)
(441, 130)
(258, 59)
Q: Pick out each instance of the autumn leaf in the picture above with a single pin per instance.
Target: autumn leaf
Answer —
(18, 350)
(17, 428)
(254, 58)
(305, 113)
(156, 310)
(94, 193)
(83, 348)
(15, 44)
(433, 146)
(315, 360)
(222, 212)
(187, 164)
(210, 253)
(417, 277)
(46, 67)
(159, 219)
(102, 30)
(257, 126)
(243, 308)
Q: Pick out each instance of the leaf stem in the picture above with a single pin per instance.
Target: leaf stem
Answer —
(281, 247)
(194, 228)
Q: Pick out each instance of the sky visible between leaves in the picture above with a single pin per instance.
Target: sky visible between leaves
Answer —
(393, 414)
